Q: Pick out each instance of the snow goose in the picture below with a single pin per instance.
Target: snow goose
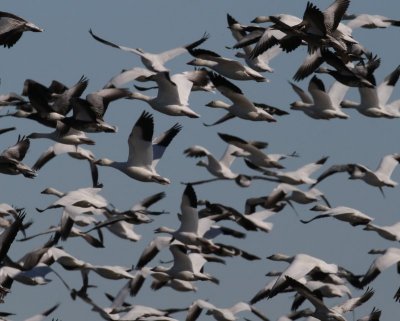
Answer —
(32, 277)
(251, 151)
(173, 95)
(348, 74)
(258, 63)
(285, 193)
(322, 105)
(229, 68)
(8, 236)
(297, 177)
(65, 135)
(143, 154)
(221, 314)
(316, 29)
(389, 232)
(322, 290)
(375, 315)
(322, 312)
(86, 197)
(55, 99)
(41, 104)
(88, 113)
(154, 62)
(141, 312)
(69, 262)
(76, 152)
(242, 107)
(250, 221)
(271, 36)
(12, 28)
(186, 267)
(188, 231)
(342, 213)
(122, 224)
(218, 168)
(11, 159)
(73, 232)
(299, 265)
(369, 21)
(378, 178)
(374, 101)
(387, 258)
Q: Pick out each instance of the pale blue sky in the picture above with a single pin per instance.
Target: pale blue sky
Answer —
(65, 51)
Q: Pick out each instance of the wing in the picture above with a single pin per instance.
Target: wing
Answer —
(129, 75)
(224, 118)
(337, 92)
(333, 170)
(385, 89)
(353, 303)
(309, 65)
(184, 87)
(388, 164)
(41, 316)
(311, 168)
(306, 292)
(18, 151)
(190, 217)
(161, 143)
(306, 98)
(334, 13)
(172, 53)
(227, 158)
(139, 141)
(317, 90)
(108, 43)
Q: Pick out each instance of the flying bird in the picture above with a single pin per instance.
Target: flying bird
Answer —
(12, 27)
(144, 152)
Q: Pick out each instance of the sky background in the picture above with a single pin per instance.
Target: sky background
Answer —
(65, 51)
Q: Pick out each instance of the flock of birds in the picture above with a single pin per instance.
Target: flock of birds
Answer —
(85, 213)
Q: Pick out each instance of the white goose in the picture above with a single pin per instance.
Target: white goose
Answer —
(173, 95)
(218, 168)
(322, 312)
(143, 154)
(12, 28)
(297, 177)
(387, 258)
(221, 314)
(378, 178)
(369, 21)
(242, 107)
(188, 231)
(374, 101)
(321, 104)
(300, 265)
(76, 152)
(258, 63)
(154, 62)
(86, 197)
(229, 68)
(251, 151)
(389, 232)
(342, 213)
(186, 267)
(65, 135)
(286, 193)
(11, 159)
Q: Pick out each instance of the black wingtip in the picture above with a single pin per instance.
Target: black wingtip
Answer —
(191, 195)
(322, 160)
